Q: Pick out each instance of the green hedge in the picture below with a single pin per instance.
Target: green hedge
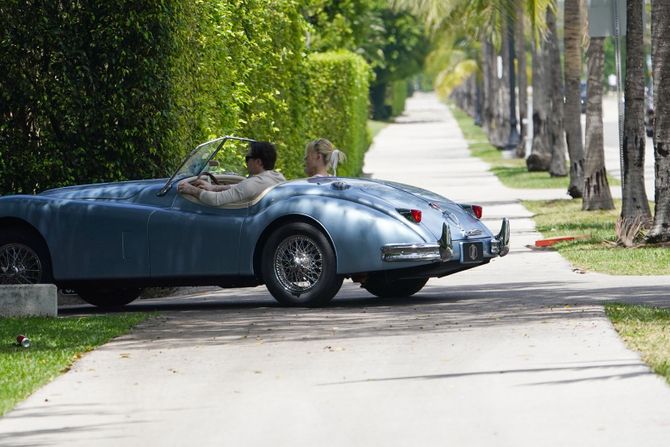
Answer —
(84, 93)
(398, 96)
(338, 91)
(102, 91)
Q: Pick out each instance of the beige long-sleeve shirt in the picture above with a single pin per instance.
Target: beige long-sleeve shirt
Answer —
(244, 191)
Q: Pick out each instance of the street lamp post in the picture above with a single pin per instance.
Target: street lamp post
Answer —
(514, 137)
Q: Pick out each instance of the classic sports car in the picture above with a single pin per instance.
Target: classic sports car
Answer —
(300, 238)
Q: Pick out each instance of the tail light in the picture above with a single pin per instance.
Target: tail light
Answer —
(478, 211)
(411, 215)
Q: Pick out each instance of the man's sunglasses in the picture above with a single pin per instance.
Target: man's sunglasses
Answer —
(249, 157)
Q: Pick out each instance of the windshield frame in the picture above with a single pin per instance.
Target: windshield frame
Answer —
(200, 152)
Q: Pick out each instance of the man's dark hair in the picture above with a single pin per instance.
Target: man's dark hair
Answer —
(264, 151)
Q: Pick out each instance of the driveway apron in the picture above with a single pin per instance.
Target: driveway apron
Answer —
(514, 353)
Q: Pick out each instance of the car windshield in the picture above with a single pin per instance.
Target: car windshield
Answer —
(200, 159)
(197, 160)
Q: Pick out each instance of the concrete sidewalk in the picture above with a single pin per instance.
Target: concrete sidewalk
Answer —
(514, 353)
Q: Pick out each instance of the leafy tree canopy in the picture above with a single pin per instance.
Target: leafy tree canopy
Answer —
(392, 42)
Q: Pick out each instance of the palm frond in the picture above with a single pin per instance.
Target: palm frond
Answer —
(450, 78)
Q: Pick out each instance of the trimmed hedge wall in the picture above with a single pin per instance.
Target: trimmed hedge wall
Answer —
(84, 92)
(338, 90)
(399, 91)
(101, 91)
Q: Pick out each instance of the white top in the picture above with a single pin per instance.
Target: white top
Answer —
(244, 191)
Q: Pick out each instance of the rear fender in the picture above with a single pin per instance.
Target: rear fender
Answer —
(356, 231)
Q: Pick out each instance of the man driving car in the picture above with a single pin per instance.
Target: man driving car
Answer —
(261, 157)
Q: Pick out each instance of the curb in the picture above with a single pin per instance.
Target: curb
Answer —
(28, 300)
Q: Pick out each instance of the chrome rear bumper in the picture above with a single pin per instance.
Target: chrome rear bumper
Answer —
(443, 249)
(502, 239)
(411, 252)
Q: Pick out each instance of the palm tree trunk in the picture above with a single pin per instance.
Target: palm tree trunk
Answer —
(471, 95)
(540, 152)
(634, 196)
(522, 79)
(488, 77)
(597, 194)
(503, 105)
(555, 125)
(660, 29)
(573, 125)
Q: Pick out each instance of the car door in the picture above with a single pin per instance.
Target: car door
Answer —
(99, 239)
(192, 240)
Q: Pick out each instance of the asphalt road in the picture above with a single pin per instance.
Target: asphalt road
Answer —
(515, 353)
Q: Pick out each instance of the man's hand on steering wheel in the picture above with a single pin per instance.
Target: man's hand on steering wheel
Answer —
(211, 176)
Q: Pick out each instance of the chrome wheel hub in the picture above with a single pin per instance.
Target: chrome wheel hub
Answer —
(298, 264)
(19, 264)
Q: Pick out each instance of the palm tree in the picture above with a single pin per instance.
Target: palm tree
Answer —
(522, 78)
(660, 29)
(573, 126)
(482, 21)
(634, 196)
(555, 125)
(504, 116)
(493, 125)
(540, 153)
(597, 194)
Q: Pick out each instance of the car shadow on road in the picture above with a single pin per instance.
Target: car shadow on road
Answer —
(244, 316)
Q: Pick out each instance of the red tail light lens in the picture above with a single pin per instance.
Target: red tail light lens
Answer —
(411, 215)
(478, 210)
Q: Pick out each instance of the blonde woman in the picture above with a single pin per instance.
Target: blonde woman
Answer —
(320, 155)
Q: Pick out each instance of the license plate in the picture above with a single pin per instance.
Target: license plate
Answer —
(472, 252)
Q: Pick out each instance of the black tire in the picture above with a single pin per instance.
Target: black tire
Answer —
(109, 298)
(24, 258)
(299, 266)
(401, 288)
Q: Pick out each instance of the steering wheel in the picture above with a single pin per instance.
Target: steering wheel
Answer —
(211, 177)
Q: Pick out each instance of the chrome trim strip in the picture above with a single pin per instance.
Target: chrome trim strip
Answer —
(410, 252)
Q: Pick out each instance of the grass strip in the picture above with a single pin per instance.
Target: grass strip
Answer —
(511, 172)
(595, 250)
(646, 330)
(55, 344)
(374, 127)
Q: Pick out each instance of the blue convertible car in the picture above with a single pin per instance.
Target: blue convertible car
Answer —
(301, 238)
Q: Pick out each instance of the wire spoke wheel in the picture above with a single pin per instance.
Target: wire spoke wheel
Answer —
(19, 264)
(298, 264)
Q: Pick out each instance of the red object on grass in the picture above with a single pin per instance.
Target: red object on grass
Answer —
(552, 240)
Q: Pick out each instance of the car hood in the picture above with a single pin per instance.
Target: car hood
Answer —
(103, 191)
